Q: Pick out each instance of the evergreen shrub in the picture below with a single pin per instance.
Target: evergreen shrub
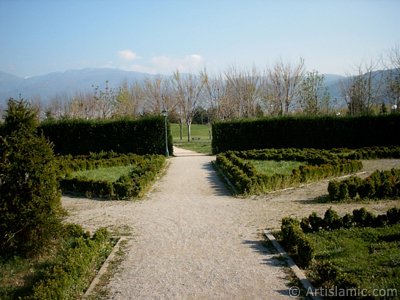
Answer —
(318, 132)
(30, 206)
(140, 136)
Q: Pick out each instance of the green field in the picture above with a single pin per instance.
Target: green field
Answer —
(272, 167)
(110, 174)
(201, 138)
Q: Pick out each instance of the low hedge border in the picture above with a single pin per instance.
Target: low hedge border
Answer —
(144, 170)
(294, 233)
(379, 185)
(72, 273)
(247, 180)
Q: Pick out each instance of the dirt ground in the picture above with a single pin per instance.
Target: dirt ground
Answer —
(190, 239)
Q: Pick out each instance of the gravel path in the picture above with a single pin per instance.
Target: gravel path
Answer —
(192, 240)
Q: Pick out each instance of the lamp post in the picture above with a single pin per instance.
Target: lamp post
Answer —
(165, 115)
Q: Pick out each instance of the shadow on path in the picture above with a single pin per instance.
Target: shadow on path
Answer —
(215, 182)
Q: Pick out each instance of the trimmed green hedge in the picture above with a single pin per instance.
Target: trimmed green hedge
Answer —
(70, 275)
(246, 179)
(296, 242)
(144, 170)
(379, 185)
(360, 218)
(306, 132)
(140, 136)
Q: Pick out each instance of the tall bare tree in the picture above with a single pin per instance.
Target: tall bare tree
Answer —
(158, 95)
(243, 91)
(393, 79)
(283, 86)
(364, 90)
(188, 90)
(215, 94)
(105, 100)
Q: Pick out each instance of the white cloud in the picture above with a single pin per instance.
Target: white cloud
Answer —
(187, 63)
(127, 55)
(161, 64)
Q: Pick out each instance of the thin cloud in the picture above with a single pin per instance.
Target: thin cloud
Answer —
(127, 55)
(162, 64)
(185, 64)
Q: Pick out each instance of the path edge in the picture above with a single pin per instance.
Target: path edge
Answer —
(292, 265)
(103, 268)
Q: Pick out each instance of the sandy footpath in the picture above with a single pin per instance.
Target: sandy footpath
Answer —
(192, 240)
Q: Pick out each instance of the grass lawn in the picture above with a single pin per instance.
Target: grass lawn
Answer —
(201, 141)
(110, 174)
(271, 167)
(369, 257)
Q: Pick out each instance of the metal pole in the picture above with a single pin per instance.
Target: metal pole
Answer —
(166, 135)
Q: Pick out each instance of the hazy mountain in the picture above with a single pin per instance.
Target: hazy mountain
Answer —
(63, 83)
(71, 82)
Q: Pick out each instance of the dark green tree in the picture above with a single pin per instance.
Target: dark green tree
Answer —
(30, 206)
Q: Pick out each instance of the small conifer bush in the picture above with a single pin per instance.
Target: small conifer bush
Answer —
(30, 206)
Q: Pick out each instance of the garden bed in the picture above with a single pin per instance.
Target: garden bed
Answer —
(109, 175)
(256, 171)
(63, 271)
(359, 251)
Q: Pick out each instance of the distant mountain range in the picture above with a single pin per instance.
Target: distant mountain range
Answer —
(63, 84)
(68, 83)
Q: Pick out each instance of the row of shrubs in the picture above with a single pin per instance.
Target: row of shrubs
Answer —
(140, 136)
(369, 152)
(321, 132)
(144, 170)
(379, 185)
(68, 163)
(244, 176)
(296, 242)
(359, 218)
(72, 272)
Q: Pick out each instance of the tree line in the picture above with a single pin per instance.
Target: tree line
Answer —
(282, 89)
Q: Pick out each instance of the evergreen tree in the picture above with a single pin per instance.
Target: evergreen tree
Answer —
(30, 205)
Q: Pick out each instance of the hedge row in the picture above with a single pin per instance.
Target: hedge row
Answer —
(360, 218)
(306, 132)
(71, 274)
(247, 180)
(141, 136)
(144, 170)
(379, 185)
(68, 163)
(369, 152)
(296, 242)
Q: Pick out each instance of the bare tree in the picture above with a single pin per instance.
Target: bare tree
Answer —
(158, 95)
(215, 94)
(188, 90)
(105, 100)
(393, 78)
(243, 91)
(364, 90)
(283, 86)
(314, 97)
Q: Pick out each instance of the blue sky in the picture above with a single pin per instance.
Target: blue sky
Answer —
(38, 37)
